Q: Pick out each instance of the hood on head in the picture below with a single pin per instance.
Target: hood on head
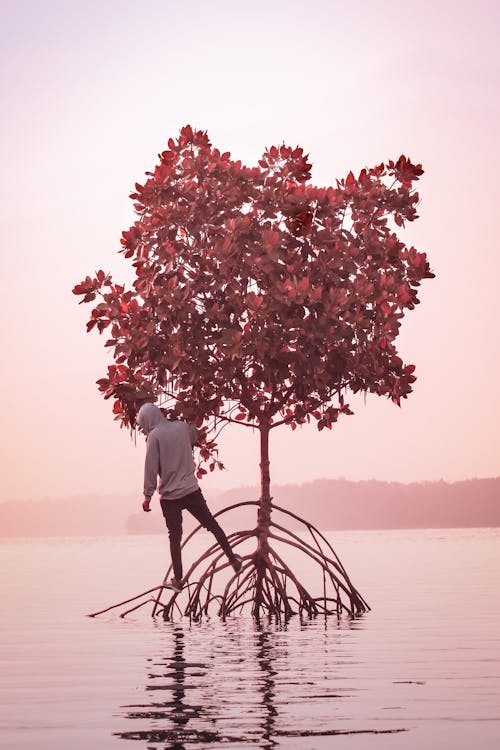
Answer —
(148, 417)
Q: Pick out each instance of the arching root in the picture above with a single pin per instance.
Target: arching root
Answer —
(265, 583)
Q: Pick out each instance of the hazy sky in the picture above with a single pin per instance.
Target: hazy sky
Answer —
(92, 91)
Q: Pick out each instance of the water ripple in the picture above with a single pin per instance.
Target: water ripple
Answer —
(242, 685)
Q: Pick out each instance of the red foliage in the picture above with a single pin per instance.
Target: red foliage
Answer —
(257, 293)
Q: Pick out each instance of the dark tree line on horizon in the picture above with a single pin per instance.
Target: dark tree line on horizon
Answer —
(331, 504)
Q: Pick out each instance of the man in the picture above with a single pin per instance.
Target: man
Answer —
(169, 456)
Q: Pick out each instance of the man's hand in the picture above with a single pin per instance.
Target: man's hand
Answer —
(145, 504)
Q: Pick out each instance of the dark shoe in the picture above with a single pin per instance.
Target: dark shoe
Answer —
(237, 562)
(175, 585)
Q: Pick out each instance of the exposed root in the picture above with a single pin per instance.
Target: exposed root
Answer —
(265, 582)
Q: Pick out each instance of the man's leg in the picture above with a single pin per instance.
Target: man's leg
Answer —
(172, 512)
(197, 506)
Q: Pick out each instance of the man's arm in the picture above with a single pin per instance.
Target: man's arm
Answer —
(151, 470)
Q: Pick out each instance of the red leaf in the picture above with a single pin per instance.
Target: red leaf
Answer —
(350, 180)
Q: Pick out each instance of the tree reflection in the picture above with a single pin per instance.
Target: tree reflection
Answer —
(240, 709)
(237, 684)
(266, 686)
(168, 719)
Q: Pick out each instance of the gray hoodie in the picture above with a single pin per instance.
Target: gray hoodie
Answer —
(169, 454)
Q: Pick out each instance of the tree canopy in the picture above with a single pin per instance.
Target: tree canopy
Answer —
(259, 298)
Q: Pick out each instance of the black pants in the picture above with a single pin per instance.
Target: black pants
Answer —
(195, 503)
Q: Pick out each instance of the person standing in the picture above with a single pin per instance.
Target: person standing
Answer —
(169, 467)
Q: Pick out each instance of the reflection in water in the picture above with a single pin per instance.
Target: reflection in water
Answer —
(175, 712)
(267, 688)
(240, 684)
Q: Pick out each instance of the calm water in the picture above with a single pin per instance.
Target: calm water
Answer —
(421, 670)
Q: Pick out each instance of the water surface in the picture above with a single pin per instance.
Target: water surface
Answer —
(421, 669)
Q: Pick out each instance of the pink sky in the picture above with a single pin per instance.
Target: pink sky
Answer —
(91, 93)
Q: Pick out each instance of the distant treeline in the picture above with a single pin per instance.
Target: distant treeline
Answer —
(327, 503)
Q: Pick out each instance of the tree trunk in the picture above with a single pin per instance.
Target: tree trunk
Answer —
(264, 513)
(261, 555)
